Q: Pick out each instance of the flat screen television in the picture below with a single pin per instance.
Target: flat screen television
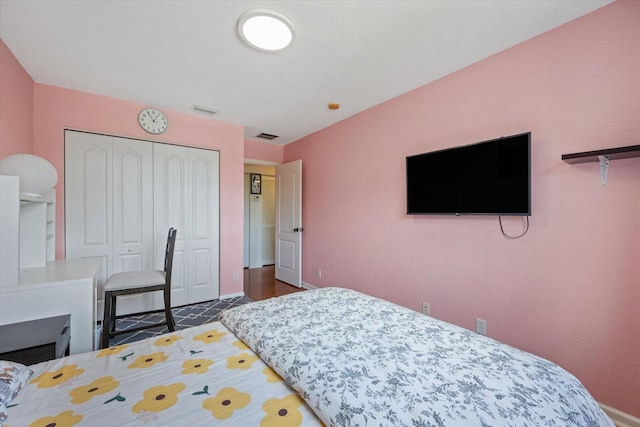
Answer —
(487, 178)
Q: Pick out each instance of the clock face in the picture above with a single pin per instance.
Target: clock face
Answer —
(153, 121)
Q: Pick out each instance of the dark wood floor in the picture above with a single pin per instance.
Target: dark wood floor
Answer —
(261, 283)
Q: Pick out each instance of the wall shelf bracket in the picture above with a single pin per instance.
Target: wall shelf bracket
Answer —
(604, 168)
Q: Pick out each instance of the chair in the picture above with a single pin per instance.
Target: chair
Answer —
(134, 282)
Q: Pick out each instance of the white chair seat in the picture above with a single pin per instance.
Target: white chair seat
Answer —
(134, 279)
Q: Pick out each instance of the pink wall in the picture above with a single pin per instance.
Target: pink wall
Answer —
(255, 150)
(56, 109)
(569, 290)
(16, 105)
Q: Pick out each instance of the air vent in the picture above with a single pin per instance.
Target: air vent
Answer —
(266, 136)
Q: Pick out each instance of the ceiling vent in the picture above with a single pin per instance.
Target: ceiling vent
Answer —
(267, 136)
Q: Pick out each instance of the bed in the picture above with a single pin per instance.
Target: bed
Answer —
(330, 356)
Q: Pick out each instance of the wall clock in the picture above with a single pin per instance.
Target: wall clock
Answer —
(153, 121)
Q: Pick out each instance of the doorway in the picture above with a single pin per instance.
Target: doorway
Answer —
(273, 219)
(259, 217)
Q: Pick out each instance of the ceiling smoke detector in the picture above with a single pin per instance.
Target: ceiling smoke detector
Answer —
(266, 30)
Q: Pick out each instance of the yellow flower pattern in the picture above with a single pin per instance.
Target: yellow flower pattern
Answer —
(240, 345)
(209, 337)
(225, 402)
(243, 361)
(54, 378)
(271, 375)
(102, 385)
(283, 412)
(148, 360)
(158, 398)
(167, 340)
(196, 366)
(198, 372)
(111, 350)
(63, 419)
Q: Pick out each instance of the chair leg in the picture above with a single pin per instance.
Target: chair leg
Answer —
(106, 321)
(171, 323)
(112, 325)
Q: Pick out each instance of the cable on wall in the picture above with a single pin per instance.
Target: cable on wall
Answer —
(513, 237)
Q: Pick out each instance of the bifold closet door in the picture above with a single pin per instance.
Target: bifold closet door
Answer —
(186, 197)
(108, 206)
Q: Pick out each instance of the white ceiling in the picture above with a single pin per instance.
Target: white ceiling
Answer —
(173, 54)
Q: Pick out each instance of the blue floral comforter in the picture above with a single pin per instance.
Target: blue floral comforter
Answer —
(362, 361)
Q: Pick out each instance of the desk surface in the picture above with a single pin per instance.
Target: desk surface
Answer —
(56, 272)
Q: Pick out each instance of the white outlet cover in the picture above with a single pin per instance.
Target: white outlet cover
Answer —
(426, 309)
(481, 326)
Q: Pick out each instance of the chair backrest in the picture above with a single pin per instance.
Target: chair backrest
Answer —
(168, 258)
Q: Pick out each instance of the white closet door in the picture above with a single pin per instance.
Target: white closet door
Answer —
(203, 229)
(171, 201)
(132, 238)
(88, 199)
(108, 206)
(132, 205)
(186, 197)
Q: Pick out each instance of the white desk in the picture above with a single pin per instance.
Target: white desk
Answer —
(62, 287)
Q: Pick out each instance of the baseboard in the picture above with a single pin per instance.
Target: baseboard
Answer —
(237, 294)
(621, 419)
(308, 286)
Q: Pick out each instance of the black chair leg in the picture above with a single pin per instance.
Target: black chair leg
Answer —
(106, 321)
(112, 326)
(171, 324)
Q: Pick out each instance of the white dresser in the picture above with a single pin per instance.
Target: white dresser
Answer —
(61, 287)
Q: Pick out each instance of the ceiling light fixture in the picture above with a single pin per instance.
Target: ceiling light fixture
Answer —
(266, 30)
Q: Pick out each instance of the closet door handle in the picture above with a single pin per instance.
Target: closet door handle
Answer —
(298, 230)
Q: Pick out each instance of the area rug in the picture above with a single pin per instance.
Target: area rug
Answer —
(185, 317)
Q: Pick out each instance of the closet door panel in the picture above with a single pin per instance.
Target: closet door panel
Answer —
(204, 230)
(88, 197)
(132, 205)
(133, 216)
(171, 202)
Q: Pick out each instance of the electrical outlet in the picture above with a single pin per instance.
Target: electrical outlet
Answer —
(236, 277)
(426, 309)
(481, 326)
(319, 273)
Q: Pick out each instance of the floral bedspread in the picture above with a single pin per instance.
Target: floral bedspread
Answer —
(362, 361)
(193, 377)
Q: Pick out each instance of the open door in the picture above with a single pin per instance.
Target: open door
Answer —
(289, 222)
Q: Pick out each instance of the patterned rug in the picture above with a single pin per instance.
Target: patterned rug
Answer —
(185, 317)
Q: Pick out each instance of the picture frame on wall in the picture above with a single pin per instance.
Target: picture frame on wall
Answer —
(256, 183)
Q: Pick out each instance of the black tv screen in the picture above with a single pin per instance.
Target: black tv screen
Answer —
(487, 178)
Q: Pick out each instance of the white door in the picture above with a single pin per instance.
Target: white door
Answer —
(88, 199)
(186, 197)
(108, 206)
(289, 222)
(132, 237)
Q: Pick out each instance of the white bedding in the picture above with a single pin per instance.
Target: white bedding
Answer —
(362, 361)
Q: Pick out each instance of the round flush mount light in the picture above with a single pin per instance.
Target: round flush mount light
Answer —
(266, 30)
